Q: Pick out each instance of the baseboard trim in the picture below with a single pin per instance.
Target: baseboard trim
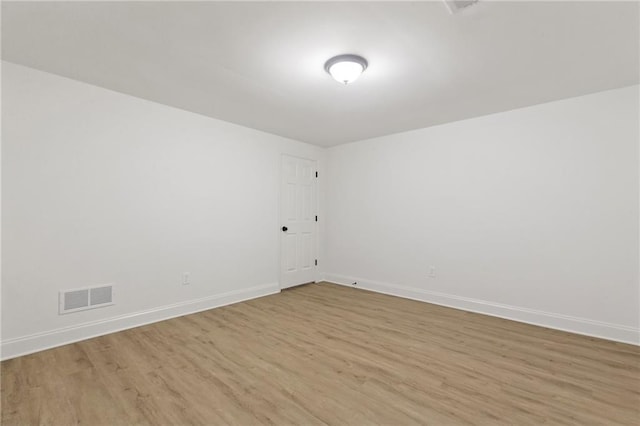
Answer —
(584, 326)
(25, 345)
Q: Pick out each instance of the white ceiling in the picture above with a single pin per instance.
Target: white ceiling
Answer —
(261, 64)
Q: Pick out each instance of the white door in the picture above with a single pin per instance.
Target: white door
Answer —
(298, 220)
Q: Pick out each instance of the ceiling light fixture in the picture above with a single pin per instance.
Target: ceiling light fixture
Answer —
(346, 68)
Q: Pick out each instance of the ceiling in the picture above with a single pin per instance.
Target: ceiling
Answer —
(260, 64)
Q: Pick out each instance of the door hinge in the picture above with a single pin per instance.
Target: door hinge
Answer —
(316, 218)
(316, 174)
(316, 262)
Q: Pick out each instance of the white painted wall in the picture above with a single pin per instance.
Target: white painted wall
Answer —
(530, 214)
(100, 187)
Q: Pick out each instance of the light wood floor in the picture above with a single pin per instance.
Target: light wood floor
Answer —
(325, 354)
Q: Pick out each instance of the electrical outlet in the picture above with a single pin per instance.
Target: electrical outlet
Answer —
(185, 278)
(432, 271)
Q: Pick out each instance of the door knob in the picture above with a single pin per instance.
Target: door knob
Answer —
(285, 229)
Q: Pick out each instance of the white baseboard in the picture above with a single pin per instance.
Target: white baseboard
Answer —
(24, 345)
(615, 332)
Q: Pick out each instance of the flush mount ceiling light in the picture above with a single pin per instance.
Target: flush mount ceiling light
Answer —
(346, 68)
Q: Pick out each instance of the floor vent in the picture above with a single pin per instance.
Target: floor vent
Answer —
(85, 298)
(457, 5)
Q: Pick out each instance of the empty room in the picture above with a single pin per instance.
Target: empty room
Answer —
(320, 213)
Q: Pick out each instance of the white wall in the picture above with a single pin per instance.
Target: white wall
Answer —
(530, 214)
(100, 187)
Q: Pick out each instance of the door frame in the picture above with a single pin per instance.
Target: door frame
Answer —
(316, 225)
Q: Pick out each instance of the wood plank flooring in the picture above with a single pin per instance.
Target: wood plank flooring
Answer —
(326, 354)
